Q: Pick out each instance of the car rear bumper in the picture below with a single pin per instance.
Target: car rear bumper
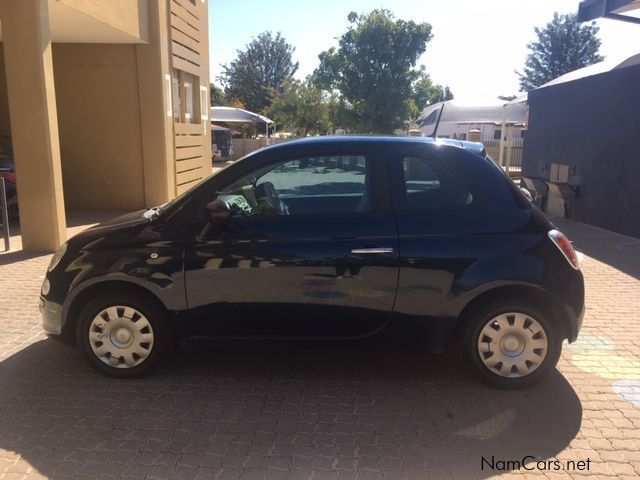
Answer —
(575, 323)
(571, 289)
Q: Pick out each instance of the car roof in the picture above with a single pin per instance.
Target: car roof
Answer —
(474, 147)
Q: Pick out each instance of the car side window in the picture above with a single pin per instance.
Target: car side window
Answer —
(303, 186)
(428, 185)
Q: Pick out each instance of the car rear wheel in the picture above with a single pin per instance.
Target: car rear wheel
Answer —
(122, 334)
(512, 343)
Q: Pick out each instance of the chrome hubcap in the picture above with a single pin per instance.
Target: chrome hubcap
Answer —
(512, 345)
(121, 336)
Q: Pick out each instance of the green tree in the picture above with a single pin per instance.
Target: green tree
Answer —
(563, 45)
(217, 96)
(425, 92)
(259, 71)
(341, 113)
(301, 108)
(372, 70)
(507, 98)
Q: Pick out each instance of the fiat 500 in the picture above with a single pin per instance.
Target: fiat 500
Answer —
(330, 238)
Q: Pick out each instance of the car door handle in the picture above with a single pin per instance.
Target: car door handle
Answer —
(371, 251)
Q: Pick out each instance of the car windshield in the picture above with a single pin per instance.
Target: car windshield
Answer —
(152, 212)
(184, 194)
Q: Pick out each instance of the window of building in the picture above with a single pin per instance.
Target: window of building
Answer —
(189, 107)
(185, 97)
(204, 103)
(175, 96)
(430, 185)
(497, 134)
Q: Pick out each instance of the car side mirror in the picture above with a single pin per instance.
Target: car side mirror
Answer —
(527, 193)
(217, 211)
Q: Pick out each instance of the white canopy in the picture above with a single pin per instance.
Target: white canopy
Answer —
(237, 115)
(450, 112)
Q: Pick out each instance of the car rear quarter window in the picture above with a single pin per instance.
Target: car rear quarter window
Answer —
(428, 185)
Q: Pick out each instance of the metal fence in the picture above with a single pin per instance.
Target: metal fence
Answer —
(4, 215)
(511, 156)
(244, 146)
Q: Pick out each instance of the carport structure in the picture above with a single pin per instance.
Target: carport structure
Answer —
(613, 9)
(239, 115)
(104, 100)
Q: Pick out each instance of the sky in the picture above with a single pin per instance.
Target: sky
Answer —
(477, 44)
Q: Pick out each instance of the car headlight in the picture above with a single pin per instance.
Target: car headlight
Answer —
(46, 287)
(55, 260)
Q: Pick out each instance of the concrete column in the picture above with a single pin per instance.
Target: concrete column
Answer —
(34, 122)
(156, 116)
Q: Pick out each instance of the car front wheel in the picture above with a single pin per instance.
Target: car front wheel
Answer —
(121, 334)
(511, 343)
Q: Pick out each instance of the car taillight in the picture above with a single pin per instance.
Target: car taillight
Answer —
(564, 245)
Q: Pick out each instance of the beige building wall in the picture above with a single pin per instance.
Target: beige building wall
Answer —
(99, 125)
(28, 64)
(128, 16)
(117, 105)
(155, 108)
(5, 126)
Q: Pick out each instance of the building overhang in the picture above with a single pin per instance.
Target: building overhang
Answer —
(76, 21)
(613, 9)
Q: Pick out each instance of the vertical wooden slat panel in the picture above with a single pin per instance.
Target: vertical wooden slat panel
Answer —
(188, 25)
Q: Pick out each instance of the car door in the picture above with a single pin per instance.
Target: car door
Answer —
(310, 250)
(441, 232)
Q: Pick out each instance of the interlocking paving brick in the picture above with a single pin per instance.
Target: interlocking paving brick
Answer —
(316, 412)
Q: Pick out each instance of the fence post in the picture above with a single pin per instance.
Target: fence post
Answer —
(503, 134)
(4, 215)
(509, 146)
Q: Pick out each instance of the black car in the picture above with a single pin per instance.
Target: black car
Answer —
(328, 238)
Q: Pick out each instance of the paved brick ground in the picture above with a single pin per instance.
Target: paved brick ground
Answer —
(323, 412)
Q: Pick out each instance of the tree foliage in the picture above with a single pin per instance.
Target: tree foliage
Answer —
(373, 70)
(563, 45)
(300, 108)
(259, 71)
(425, 92)
(217, 96)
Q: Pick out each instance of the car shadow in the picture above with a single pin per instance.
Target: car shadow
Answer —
(618, 251)
(397, 411)
(7, 258)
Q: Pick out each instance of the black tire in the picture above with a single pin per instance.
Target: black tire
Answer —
(480, 316)
(155, 315)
